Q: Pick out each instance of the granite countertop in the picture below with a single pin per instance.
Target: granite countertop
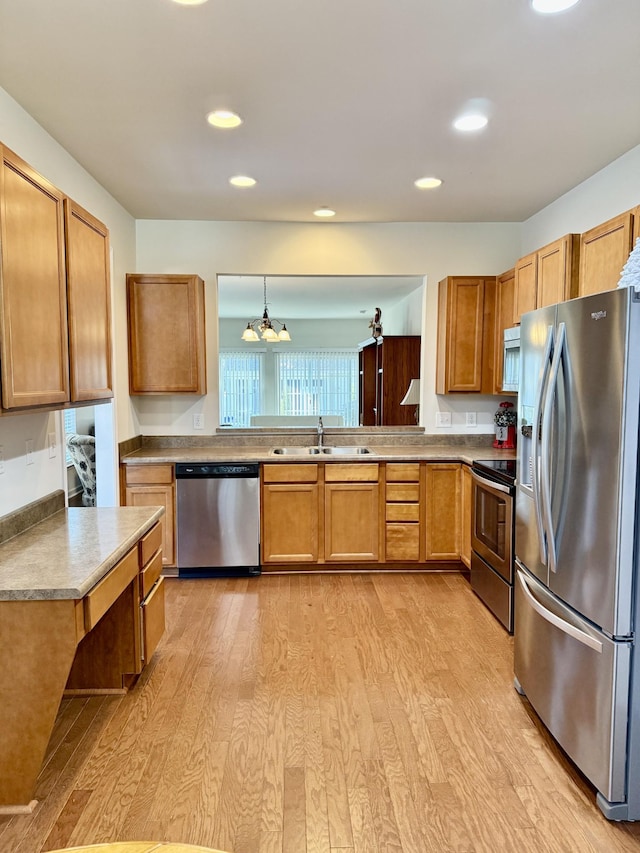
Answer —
(66, 554)
(380, 453)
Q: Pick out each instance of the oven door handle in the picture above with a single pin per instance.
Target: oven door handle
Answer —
(489, 484)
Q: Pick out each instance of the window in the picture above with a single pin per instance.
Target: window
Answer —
(321, 382)
(240, 387)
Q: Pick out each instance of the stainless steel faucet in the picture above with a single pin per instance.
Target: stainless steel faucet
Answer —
(320, 432)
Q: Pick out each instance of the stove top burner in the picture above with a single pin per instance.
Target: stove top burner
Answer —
(502, 469)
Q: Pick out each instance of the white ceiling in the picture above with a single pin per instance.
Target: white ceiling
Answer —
(345, 102)
(310, 297)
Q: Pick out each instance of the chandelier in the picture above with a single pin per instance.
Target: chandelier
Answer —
(266, 327)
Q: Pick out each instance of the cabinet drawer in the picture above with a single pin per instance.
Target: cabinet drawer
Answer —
(150, 543)
(402, 542)
(153, 620)
(345, 473)
(141, 474)
(303, 473)
(403, 512)
(98, 600)
(403, 471)
(150, 574)
(403, 492)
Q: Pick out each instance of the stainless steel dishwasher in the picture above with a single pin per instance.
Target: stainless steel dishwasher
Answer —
(218, 512)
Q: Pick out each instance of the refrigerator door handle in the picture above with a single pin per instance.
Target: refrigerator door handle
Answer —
(545, 452)
(556, 621)
(535, 445)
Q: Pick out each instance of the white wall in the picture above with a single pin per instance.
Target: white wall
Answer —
(433, 250)
(20, 483)
(610, 191)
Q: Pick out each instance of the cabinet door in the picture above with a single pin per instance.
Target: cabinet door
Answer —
(166, 334)
(352, 522)
(505, 293)
(443, 507)
(603, 252)
(558, 271)
(526, 285)
(399, 364)
(368, 397)
(465, 532)
(89, 304)
(460, 334)
(33, 313)
(158, 495)
(290, 523)
(636, 224)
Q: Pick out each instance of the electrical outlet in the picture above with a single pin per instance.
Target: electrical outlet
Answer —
(443, 419)
(28, 447)
(198, 421)
(1, 459)
(52, 445)
(472, 419)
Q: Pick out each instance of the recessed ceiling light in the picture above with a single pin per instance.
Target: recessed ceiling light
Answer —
(427, 183)
(548, 7)
(470, 121)
(224, 118)
(242, 181)
(190, 2)
(324, 211)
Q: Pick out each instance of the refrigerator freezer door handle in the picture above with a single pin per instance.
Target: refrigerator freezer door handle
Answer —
(535, 445)
(545, 452)
(556, 621)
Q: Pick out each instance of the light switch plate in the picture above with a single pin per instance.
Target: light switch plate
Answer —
(28, 449)
(198, 421)
(443, 419)
(1, 459)
(52, 445)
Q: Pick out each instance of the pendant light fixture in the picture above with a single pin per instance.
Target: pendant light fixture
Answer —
(268, 332)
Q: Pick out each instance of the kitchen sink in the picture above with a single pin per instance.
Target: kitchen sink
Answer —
(315, 451)
(295, 451)
(345, 451)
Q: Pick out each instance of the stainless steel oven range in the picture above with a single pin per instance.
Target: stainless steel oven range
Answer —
(492, 530)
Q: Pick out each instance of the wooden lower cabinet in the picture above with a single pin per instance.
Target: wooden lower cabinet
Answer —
(153, 485)
(391, 514)
(403, 516)
(443, 508)
(290, 515)
(290, 522)
(351, 526)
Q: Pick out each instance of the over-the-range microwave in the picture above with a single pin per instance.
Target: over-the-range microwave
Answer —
(511, 364)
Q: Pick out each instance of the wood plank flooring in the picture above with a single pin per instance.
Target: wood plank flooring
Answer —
(319, 713)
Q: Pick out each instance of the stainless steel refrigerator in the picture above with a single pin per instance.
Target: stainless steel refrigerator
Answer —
(577, 538)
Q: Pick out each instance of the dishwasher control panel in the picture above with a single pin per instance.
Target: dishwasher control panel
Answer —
(197, 471)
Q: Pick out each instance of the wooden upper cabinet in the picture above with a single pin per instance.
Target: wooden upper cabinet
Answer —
(526, 285)
(505, 295)
(89, 304)
(603, 252)
(636, 224)
(558, 267)
(33, 311)
(166, 334)
(465, 335)
(547, 276)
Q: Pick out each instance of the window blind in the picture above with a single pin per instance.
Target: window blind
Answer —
(320, 382)
(240, 385)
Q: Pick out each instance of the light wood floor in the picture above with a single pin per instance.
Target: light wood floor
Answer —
(317, 714)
